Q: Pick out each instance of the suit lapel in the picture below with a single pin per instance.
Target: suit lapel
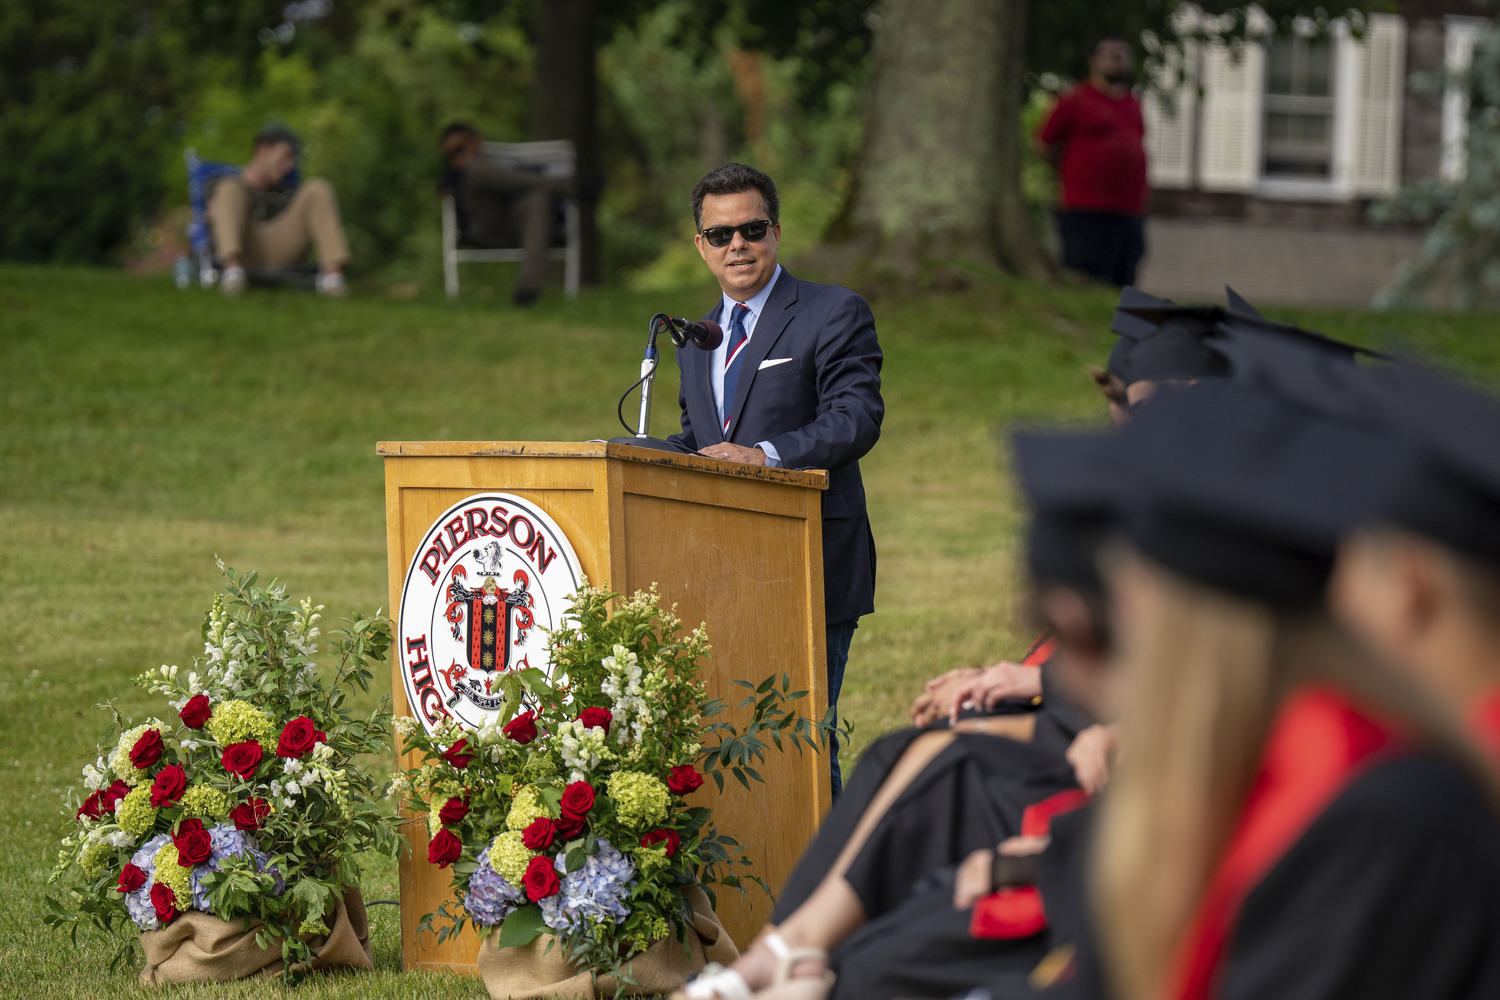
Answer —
(780, 308)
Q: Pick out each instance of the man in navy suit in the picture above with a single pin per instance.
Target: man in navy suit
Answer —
(795, 383)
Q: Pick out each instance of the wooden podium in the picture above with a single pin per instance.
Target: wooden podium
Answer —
(738, 547)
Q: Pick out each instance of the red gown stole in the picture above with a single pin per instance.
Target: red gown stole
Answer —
(1319, 742)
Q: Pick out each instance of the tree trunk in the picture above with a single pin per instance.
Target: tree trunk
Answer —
(565, 104)
(940, 173)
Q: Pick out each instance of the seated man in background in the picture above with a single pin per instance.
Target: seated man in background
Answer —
(498, 206)
(259, 221)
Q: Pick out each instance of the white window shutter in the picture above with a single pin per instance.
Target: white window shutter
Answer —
(1168, 109)
(1229, 145)
(1376, 162)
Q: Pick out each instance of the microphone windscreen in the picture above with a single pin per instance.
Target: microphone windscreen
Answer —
(715, 335)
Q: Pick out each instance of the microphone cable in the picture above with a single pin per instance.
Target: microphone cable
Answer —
(658, 322)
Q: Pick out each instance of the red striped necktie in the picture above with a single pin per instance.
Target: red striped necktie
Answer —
(732, 358)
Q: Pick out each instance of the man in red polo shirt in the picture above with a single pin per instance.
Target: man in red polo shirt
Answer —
(1094, 138)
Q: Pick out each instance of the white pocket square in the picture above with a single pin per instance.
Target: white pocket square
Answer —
(772, 363)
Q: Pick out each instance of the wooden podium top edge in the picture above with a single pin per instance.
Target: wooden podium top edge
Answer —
(814, 478)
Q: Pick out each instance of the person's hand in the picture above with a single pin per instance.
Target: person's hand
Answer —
(1090, 755)
(727, 452)
(973, 880)
(932, 704)
(993, 685)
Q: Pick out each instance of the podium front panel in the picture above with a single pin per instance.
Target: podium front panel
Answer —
(735, 547)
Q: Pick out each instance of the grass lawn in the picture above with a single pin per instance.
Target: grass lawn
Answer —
(143, 431)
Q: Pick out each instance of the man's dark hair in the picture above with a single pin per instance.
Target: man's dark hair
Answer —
(457, 128)
(732, 178)
(275, 133)
(1099, 40)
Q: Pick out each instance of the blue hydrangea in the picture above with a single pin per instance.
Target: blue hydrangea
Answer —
(138, 903)
(490, 897)
(597, 893)
(225, 841)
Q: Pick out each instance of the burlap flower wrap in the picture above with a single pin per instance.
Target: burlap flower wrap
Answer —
(532, 972)
(198, 948)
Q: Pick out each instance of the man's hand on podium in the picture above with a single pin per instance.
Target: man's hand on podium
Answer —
(734, 453)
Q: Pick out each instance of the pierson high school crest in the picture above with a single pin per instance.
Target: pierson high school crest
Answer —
(490, 577)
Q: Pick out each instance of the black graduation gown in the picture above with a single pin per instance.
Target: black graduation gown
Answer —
(926, 948)
(970, 796)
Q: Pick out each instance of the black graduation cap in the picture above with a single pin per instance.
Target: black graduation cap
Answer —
(1238, 306)
(1304, 366)
(1074, 485)
(1243, 490)
(1452, 491)
(1160, 339)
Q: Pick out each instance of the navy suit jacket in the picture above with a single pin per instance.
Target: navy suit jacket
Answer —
(820, 410)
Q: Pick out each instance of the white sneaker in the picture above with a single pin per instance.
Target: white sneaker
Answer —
(232, 282)
(332, 285)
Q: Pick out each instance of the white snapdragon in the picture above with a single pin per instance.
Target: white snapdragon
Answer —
(96, 775)
(582, 748)
(120, 839)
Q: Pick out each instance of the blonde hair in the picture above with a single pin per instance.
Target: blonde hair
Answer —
(1201, 677)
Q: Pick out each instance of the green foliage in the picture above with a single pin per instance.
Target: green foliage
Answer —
(1460, 258)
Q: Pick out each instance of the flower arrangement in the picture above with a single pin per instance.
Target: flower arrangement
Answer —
(566, 814)
(248, 800)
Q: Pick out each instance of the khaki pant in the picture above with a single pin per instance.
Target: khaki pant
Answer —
(311, 217)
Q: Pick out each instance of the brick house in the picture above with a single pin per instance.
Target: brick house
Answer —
(1264, 166)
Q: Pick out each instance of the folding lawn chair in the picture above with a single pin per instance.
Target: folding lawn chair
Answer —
(201, 173)
(554, 158)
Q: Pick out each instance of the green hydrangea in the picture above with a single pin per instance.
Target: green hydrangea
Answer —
(135, 813)
(237, 721)
(527, 807)
(509, 857)
(640, 800)
(206, 802)
(96, 859)
(651, 860)
(119, 759)
(174, 876)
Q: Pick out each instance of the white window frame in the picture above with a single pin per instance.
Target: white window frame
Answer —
(1345, 90)
(1459, 36)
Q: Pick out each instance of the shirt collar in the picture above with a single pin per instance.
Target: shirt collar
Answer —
(755, 303)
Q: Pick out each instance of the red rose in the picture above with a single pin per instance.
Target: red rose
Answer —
(92, 808)
(111, 796)
(457, 754)
(569, 827)
(196, 712)
(131, 878)
(147, 749)
(577, 799)
(299, 736)
(168, 787)
(684, 779)
(668, 837)
(453, 811)
(540, 834)
(444, 849)
(599, 718)
(250, 814)
(242, 758)
(540, 879)
(522, 728)
(163, 902)
(192, 843)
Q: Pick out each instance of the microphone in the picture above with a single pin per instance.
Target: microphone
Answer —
(705, 334)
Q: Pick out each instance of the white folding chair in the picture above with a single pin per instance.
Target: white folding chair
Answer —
(554, 158)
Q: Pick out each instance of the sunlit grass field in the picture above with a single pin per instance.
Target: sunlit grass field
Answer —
(145, 431)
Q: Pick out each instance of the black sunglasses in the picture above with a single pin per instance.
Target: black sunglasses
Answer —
(754, 232)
